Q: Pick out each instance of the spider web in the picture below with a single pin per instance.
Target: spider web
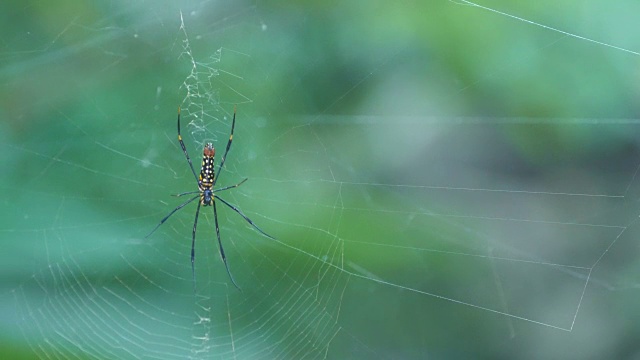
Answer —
(403, 225)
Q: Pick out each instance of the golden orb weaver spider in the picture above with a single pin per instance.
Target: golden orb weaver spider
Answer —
(207, 194)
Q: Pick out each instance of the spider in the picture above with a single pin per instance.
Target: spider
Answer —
(207, 194)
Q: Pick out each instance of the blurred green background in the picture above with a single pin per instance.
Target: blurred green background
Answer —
(444, 181)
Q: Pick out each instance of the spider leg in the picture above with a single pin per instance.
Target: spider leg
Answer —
(186, 193)
(184, 149)
(224, 258)
(230, 187)
(224, 157)
(171, 213)
(193, 245)
(245, 217)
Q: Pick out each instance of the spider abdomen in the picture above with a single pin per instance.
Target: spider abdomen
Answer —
(207, 172)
